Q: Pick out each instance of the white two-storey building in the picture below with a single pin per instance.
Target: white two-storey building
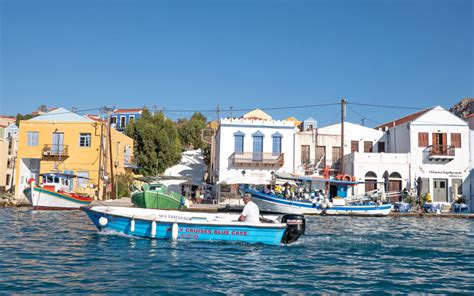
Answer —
(251, 148)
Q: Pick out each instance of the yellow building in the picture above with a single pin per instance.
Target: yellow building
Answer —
(66, 142)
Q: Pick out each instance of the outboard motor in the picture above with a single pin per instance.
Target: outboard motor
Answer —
(295, 227)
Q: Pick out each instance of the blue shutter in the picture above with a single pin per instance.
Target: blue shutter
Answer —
(276, 149)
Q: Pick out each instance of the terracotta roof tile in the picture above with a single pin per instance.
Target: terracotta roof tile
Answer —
(136, 110)
(403, 120)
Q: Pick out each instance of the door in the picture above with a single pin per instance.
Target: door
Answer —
(381, 147)
(58, 143)
(456, 188)
(440, 146)
(257, 148)
(440, 190)
(395, 186)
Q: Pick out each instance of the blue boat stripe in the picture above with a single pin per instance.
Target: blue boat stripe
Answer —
(309, 205)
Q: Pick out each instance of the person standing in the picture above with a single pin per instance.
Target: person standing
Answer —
(251, 213)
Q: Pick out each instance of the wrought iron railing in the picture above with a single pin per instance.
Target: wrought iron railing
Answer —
(441, 150)
(55, 150)
(257, 158)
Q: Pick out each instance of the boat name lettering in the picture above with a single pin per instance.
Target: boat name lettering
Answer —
(174, 217)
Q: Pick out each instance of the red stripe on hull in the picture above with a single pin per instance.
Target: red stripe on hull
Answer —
(54, 208)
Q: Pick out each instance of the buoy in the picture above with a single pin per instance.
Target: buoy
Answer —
(346, 178)
(153, 229)
(132, 225)
(103, 221)
(174, 231)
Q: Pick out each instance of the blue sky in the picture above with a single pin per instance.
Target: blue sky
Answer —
(197, 54)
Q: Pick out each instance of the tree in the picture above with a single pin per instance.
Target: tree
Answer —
(22, 117)
(190, 131)
(156, 143)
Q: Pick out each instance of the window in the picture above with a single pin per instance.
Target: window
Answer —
(131, 119)
(127, 156)
(122, 121)
(456, 140)
(8, 180)
(239, 142)
(82, 179)
(276, 143)
(354, 146)
(321, 156)
(422, 140)
(257, 146)
(367, 146)
(336, 156)
(58, 143)
(381, 147)
(33, 138)
(305, 154)
(113, 120)
(84, 140)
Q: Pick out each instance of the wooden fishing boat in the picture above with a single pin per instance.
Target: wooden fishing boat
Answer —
(367, 204)
(54, 193)
(176, 225)
(156, 195)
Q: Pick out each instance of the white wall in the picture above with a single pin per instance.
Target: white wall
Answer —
(439, 120)
(225, 144)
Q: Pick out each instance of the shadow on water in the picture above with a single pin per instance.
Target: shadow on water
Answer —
(62, 252)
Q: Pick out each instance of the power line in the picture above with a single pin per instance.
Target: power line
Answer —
(388, 106)
(364, 117)
(250, 109)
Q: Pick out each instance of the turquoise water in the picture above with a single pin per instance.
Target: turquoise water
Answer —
(61, 252)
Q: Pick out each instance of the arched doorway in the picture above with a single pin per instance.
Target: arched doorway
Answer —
(370, 181)
(395, 185)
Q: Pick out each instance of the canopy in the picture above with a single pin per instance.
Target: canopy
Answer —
(287, 176)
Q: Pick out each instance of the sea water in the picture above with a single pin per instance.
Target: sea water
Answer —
(62, 252)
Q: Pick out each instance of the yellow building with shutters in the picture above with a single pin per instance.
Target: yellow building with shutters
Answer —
(66, 142)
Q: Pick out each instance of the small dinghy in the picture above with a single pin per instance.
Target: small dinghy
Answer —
(176, 225)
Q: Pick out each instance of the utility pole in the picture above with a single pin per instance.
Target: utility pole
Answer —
(109, 152)
(230, 113)
(343, 115)
(363, 121)
(101, 152)
(217, 112)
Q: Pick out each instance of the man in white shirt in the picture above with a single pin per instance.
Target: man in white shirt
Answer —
(251, 213)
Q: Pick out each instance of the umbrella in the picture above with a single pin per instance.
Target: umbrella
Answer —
(386, 183)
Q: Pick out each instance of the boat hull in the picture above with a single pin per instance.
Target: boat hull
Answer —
(270, 203)
(43, 199)
(188, 227)
(156, 200)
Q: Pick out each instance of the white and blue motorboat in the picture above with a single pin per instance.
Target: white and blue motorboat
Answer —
(177, 225)
(367, 204)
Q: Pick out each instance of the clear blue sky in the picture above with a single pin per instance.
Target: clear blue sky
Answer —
(245, 54)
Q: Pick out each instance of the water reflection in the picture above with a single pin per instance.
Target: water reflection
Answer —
(58, 252)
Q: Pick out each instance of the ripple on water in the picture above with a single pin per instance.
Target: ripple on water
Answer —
(62, 252)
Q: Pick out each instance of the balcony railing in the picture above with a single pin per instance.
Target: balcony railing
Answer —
(250, 159)
(441, 151)
(55, 150)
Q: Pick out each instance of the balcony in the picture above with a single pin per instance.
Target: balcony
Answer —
(250, 159)
(441, 152)
(55, 150)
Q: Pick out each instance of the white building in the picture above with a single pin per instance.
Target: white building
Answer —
(433, 145)
(248, 150)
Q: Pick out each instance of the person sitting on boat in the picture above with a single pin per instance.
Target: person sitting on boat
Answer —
(251, 213)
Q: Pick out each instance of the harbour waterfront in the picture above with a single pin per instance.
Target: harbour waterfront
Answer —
(62, 252)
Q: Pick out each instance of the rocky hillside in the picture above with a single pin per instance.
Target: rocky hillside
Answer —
(463, 108)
